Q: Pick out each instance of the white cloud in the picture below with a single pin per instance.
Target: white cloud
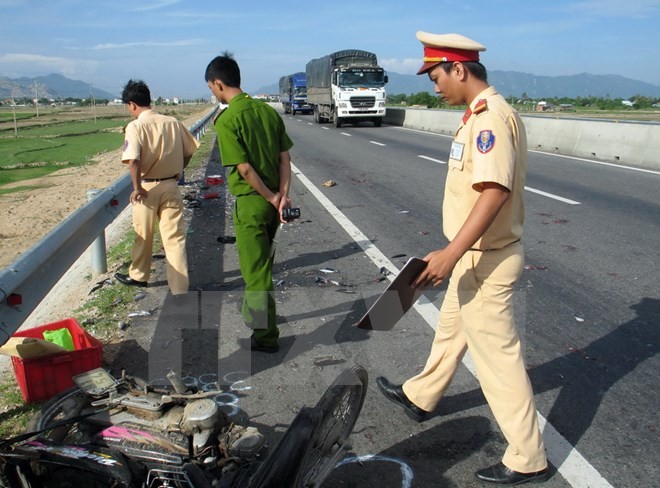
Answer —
(36, 64)
(131, 45)
(406, 66)
(155, 5)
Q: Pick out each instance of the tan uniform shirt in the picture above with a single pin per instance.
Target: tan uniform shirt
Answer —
(489, 146)
(160, 143)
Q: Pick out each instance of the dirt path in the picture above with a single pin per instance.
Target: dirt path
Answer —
(29, 215)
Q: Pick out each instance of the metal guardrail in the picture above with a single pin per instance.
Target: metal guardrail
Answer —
(25, 282)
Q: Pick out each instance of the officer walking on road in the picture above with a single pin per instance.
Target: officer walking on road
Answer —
(156, 149)
(483, 216)
(255, 147)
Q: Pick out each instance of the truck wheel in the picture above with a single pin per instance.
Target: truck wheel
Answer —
(316, 115)
(293, 111)
(378, 121)
(337, 121)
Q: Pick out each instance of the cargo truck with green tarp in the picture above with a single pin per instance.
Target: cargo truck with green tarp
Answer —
(346, 87)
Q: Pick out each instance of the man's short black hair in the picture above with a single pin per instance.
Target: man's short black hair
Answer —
(224, 68)
(136, 91)
(477, 69)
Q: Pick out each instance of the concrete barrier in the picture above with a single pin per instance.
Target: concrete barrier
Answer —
(637, 144)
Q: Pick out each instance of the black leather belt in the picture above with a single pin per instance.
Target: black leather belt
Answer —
(152, 180)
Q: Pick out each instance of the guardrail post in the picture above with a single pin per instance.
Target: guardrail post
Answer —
(99, 257)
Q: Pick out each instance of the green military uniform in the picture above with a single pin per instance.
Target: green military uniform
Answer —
(250, 131)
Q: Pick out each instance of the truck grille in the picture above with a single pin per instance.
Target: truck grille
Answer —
(363, 102)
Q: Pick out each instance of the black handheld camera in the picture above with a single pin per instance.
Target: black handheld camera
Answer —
(290, 214)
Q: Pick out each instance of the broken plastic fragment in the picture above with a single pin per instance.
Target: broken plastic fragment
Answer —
(140, 313)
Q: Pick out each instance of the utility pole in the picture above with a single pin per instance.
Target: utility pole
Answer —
(13, 107)
(91, 98)
(36, 97)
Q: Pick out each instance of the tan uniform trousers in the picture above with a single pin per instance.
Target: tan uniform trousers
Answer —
(477, 312)
(163, 202)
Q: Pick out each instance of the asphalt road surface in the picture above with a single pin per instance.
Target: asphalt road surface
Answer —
(588, 309)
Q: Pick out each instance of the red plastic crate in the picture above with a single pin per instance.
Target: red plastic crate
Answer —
(41, 378)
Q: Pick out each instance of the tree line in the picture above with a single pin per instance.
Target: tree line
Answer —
(82, 102)
(637, 102)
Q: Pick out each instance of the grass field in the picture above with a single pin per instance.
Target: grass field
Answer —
(58, 138)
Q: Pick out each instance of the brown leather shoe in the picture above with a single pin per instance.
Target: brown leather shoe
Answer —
(395, 394)
(127, 280)
(499, 474)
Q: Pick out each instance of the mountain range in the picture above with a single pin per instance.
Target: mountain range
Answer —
(514, 83)
(50, 86)
(508, 83)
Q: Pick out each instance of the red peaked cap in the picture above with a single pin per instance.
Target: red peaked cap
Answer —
(442, 48)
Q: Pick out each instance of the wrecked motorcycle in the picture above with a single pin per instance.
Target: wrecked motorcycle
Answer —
(109, 432)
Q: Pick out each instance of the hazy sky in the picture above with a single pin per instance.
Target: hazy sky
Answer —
(168, 43)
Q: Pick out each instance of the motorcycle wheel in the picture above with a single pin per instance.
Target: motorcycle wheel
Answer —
(340, 407)
(281, 466)
(68, 404)
(317, 438)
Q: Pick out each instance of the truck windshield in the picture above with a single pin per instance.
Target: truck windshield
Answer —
(300, 91)
(348, 79)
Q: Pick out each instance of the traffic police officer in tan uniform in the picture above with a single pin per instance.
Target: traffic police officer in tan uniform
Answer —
(483, 217)
(156, 149)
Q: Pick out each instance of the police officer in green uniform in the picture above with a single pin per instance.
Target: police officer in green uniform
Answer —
(254, 146)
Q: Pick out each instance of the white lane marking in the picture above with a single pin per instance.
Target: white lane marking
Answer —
(431, 159)
(325, 128)
(533, 190)
(550, 195)
(420, 131)
(377, 143)
(575, 158)
(346, 134)
(310, 123)
(575, 469)
(593, 161)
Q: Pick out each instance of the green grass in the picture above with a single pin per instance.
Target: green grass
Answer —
(25, 158)
(79, 127)
(9, 116)
(14, 414)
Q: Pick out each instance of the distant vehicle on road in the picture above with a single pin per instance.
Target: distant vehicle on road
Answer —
(293, 94)
(346, 86)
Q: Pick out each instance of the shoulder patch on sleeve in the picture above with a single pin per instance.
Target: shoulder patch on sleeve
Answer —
(481, 106)
(485, 141)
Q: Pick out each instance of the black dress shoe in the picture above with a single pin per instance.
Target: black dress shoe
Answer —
(498, 474)
(395, 394)
(127, 280)
(252, 344)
